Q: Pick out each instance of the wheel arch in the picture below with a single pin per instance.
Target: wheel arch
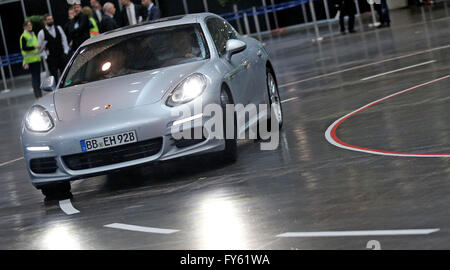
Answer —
(227, 88)
(270, 67)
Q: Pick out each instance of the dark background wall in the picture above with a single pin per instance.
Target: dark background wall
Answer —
(12, 16)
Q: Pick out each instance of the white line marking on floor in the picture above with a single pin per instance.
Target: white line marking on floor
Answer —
(11, 161)
(365, 65)
(67, 207)
(135, 228)
(359, 233)
(398, 70)
(289, 99)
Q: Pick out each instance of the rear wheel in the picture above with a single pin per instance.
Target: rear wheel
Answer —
(56, 190)
(276, 109)
(230, 153)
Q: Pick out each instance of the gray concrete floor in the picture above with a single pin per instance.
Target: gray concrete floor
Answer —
(20, 86)
(306, 185)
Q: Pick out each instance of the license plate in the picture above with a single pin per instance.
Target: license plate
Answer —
(108, 141)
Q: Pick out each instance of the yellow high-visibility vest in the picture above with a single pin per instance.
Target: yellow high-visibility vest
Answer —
(94, 29)
(33, 55)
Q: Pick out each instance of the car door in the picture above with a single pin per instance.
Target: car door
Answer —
(236, 75)
(255, 92)
(257, 72)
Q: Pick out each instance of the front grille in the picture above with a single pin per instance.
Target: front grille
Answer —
(113, 155)
(43, 165)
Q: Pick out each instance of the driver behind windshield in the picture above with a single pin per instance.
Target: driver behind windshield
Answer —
(184, 47)
(142, 56)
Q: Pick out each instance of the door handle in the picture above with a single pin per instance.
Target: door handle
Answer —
(245, 65)
(259, 53)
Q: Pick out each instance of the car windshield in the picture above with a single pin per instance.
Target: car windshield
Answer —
(137, 52)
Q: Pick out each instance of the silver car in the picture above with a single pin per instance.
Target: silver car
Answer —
(113, 106)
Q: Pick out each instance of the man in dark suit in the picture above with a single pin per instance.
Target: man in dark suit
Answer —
(108, 23)
(131, 14)
(97, 10)
(153, 11)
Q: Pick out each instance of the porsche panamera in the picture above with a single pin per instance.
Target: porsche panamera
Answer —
(113, 106)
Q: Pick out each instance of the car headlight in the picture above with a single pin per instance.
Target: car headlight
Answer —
(189, 89)
(38, 119)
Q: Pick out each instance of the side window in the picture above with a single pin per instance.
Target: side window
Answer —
(221, 31)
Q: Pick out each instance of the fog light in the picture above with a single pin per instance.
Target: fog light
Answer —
(38, 148)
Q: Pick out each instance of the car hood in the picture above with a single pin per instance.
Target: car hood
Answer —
(91, 99)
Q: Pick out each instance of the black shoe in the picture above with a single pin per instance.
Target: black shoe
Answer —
(352, 31)
(343, 33)
(381, 26)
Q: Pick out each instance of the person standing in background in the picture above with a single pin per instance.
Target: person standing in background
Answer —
(97, 10)
(153, 11)
(78, 27)
(29, 46)
(131, 14)
(54, 42)
(383, 11)
(93, 27)
(108, 23)
(347, 8)
(70, 16)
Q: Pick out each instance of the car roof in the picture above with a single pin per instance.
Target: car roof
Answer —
(164, 22)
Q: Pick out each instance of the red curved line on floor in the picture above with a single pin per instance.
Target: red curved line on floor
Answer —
(9, 162)
(339, 141)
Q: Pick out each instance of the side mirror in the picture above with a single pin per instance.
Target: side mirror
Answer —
(234, 46)
(49, 84)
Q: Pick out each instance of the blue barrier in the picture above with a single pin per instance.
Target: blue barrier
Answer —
(231, 16)
(11, 59)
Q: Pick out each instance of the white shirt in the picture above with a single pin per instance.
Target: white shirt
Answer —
(51, 31)
(99, 14)
(150, 7)
(130, 13)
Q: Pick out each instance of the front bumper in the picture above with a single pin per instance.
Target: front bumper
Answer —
(151, 122)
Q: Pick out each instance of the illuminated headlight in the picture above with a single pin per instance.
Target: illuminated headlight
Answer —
(38, 120)
(189, 89)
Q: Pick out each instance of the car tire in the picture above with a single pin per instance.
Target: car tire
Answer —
(274, 98)
(57, 190)
(229, 155)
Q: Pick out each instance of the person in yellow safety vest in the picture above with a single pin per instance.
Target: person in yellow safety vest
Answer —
(29, 46)
(94, 30)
